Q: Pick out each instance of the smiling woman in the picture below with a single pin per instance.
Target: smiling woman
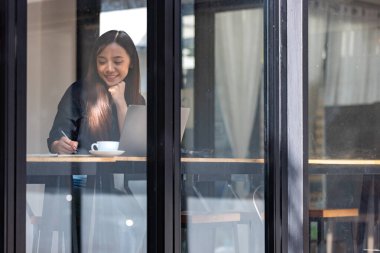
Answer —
(113, 64)
(94, 109)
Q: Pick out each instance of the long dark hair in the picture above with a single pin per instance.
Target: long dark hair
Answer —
(96, 95)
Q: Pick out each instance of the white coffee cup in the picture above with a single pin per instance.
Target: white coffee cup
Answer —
(105, 146)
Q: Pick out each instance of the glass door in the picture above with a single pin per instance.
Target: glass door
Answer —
(86, 90)
(222, 186)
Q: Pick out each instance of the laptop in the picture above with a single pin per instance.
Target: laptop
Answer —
(352, 131)
(133, 138)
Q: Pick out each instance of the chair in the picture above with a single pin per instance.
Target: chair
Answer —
(330, 216)
(209, 222)
(43, 228)
(206, 222)
(56, 217)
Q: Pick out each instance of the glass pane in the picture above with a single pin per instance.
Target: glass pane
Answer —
(86, 88)
(222, 147)
(344, 118)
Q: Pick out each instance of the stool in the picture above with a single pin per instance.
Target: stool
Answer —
(56, 217)
(43, 233)
(330, 215)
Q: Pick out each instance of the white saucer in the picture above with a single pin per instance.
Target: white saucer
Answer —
(106, 153)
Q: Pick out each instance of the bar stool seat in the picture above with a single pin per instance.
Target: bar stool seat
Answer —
(214, 217)
(330, 216)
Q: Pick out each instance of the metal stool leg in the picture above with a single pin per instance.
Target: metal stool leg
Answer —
(236, 237)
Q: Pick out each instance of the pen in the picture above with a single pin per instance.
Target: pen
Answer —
(64, 134)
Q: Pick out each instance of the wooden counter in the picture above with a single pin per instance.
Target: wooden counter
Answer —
(84, 164)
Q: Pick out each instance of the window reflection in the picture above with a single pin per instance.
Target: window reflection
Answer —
(343, 122)
(343, 78)
(231, 95)
(222, 70)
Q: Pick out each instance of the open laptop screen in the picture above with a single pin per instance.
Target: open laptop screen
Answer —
(133, 138)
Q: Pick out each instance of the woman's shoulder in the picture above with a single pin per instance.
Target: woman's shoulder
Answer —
(77, 86)
(140, 100)
(73, 93)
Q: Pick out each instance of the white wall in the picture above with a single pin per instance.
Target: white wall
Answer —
(51, 65)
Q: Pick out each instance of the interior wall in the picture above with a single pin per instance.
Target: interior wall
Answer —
(51, 65)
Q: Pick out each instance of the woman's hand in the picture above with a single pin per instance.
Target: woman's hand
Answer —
(64, 146)
(117, 93)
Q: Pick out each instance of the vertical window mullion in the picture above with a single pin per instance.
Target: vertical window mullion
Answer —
(274, 121)
(13, 121)
(163, 217)
(286, 126)
(297, 94)
(19, 138)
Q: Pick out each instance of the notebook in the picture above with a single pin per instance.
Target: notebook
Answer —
(133, 138)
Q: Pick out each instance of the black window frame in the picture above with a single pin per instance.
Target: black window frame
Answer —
(285, 54)
(286, 126)
(163, 167)
(13, 125)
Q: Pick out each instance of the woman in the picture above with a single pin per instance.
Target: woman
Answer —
(94, 109)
